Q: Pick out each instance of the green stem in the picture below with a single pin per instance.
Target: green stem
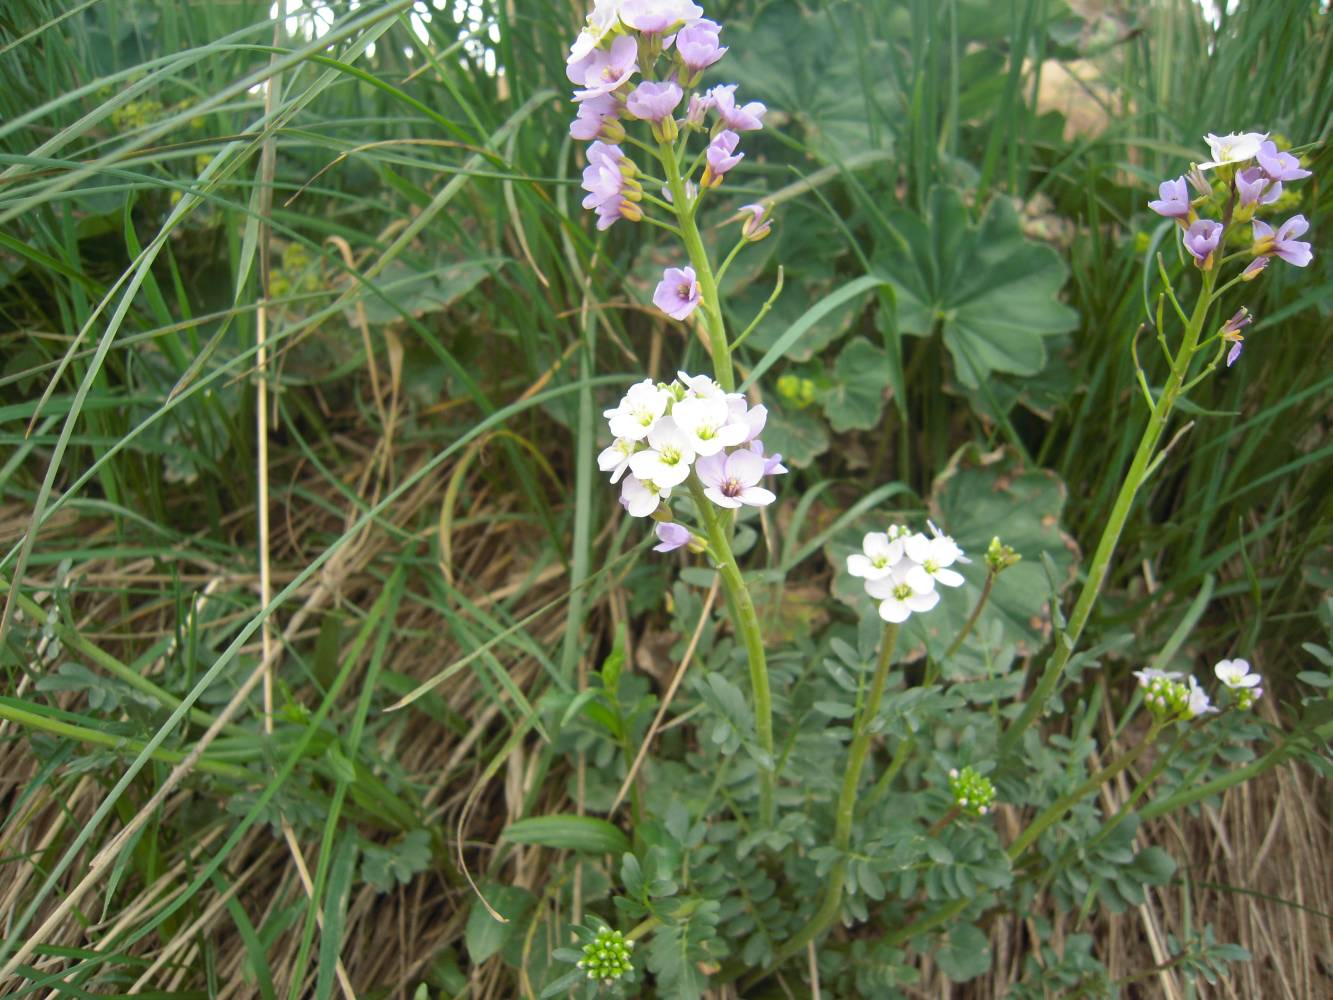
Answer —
(1101, 560)
(746, 621)
(972, 618)
(862, 734)
(703, 269)
(1057, 809)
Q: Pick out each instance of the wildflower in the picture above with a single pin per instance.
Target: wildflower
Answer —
(641, 497)
(1199, 703)
(1231, 332)
(698, 109)
(653, 17)
(1173, 199)
(972, 792)
(1236, 675)
(615, 458)
(772, 463)
(878, 555)
(671, 536)
(639, 410)
(654, 103)
(746, 118)
(720, 157)
(603, 19)
(1283, 243)
(755, 419)
(1201, 240)
(666, 461)
(1254, 269)
(899, 598)
(698, 46)
(1150, 674)
(732, 480)
(607, 956)
(1235, 147)
(1279, 166)
(1256, 188)
(612, 191)
(701, 385)
(708, 424)
(755, 223)
(606, 69)
(677, 294)
(933, 557)
(598, 118)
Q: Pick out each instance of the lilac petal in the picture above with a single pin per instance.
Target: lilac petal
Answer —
(757, 496)
(745, 467)
(712, 469)
(671, 536)
(1234, 353)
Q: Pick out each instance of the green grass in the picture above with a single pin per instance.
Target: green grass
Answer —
(437, 389)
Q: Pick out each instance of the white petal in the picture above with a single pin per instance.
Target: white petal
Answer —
(919, 580)
(948, 577)
(894, 610)
(923, 602)
(720, 498)
(757, 496)
(859, 565)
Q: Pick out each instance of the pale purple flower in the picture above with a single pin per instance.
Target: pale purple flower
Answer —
(772, 463)
(720, 157)
(652, 102)
(733, 480)
(1231, 331)
(603, 19)
(607, 69)
(1283, 243)
(1280, 166)
(1256, 187)
(738, 118)
(755, 418)
(698, 109)
(610, 192)
(1254, 269)
(671, 536)
(755, 223)
(699, 46)
(1235, 147)
(677, 293)
(653, 17)
(1201, 239)
(641, 498)
(1173, 199)
(597, 118)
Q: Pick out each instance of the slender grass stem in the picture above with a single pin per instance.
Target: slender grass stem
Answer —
(1101, 560)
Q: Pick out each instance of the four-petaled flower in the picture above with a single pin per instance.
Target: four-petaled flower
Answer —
(641, 408)
(698, 46)
(615, 458)
(1236, 675)
(677, 294)
(1199, 702)
(1173, 199)
(1280, 166)
(878, 555)
(1256, 188)
(709, 425)
(721, 156)
(900, 597)
(605, 70)
(1283, 243)
(653, 17)
(731, 480)
(1235, 147)
(1201, 240)
(738, 118)
(641, 497)
(667, 459)
(653, 102)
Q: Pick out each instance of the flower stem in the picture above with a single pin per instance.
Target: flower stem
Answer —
(968, 625)
(862, 733)
(1101, 560)
(703, 269)
(747, 625)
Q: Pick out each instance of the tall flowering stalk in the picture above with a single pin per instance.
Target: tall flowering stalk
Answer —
(1249, 172)
(637, 65)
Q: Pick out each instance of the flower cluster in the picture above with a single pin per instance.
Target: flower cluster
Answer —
(1245, 687)
(900, 569)
(607, 956)
(1170, 697)
(1252, 170)
(973, 793)
(641, 61)
(666, 432)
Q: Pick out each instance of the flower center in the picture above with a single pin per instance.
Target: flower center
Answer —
(731, 487)
(668, 456)
(902, 592)
(930, 566)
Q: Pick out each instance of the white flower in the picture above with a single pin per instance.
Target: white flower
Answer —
(707, 424)
(933, 556)
(638, 411)
(701, 386)
(1236, 674)
(1150, 674)
(667, 459)
(605, 15)
(899, 599)
(877, 557)
(1199, 701)
(615, 458)
(640, 498)
(1234, 147)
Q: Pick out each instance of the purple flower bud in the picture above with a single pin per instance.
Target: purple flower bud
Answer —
(1254, 269)
(1234, 353)
(1283, 243)
(698, 109)
(653, 17)
(756, 224)
(1256, 188)
(1280, 166)
(607, 69)
(597, 118)
(1199, 181)
(1174, 200)
(677, 294)
(699, 47)
(612, 192)
(720, 157)
(1238, 322)
(671, 536)
(745, 118)
(652, 102)
(1201, 240)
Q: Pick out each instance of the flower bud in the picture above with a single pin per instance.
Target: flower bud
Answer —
(972, 793)
(999, 556)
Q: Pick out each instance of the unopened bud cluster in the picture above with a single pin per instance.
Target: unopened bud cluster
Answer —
(607, 956)
(999, 557)
(973, 793)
